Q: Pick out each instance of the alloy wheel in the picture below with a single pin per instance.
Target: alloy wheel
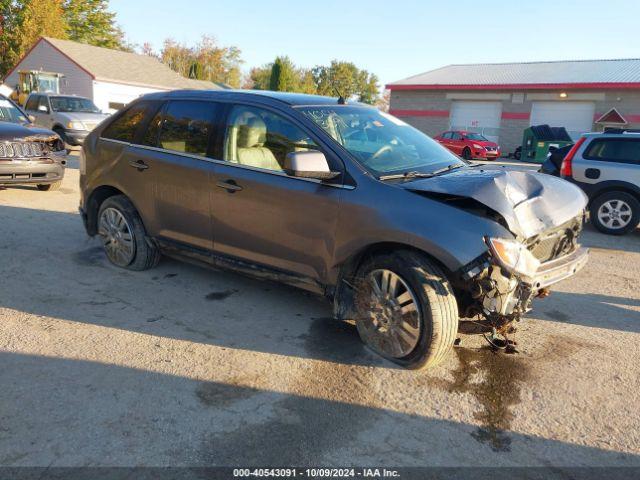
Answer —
(116, 237)
(390, 320)
(615, 214)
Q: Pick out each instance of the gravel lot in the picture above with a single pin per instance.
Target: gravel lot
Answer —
(181, 365)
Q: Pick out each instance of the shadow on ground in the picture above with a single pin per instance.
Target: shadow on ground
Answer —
(63, 412)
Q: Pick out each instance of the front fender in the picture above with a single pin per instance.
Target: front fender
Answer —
(449, 234)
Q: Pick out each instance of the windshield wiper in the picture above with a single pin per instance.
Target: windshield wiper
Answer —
(405, 175)
(448, 168)
(413, 174)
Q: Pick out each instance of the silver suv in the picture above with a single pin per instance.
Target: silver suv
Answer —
(607, 167)
(69, 116)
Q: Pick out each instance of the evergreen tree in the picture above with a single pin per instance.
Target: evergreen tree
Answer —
(283, 75)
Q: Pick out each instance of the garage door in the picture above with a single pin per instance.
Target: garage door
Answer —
(576, 117)
(481, 117)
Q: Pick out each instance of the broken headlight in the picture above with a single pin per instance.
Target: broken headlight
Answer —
(513, 256)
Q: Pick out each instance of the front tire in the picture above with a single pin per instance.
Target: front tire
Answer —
(615, 213)
(405, 309)
(123, 235)
(466, 154)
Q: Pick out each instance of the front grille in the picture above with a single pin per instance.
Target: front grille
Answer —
(21, 149)
(490, 149)
(557, 242)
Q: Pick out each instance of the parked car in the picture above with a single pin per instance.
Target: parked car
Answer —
(607, 167)
(553, 163)
(340, 199)
(71, 117)
(469, 145)
(28, 155)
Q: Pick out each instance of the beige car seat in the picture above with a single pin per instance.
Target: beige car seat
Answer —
(251, 151)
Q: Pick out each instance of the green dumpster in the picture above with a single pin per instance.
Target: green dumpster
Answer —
(537, 140)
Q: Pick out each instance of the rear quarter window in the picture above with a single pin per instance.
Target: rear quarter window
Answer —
(620, 150)
(124, 127)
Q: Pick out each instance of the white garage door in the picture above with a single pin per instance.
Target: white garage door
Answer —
(576, 117)
(481, 117)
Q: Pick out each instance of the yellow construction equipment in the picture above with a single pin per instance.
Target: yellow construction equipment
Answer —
(35, 81)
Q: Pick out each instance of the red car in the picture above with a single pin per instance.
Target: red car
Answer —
(469, 145)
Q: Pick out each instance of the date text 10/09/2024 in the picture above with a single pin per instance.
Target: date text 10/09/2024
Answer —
(316, 472)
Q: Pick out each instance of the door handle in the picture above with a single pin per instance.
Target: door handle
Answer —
(229, 185)
(139, 164)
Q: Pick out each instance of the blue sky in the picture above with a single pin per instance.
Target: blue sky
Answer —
(393, 39)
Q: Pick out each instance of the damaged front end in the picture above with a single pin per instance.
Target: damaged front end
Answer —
(500, 285)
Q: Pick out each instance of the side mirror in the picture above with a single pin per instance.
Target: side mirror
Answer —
(308, 164)
(43, 108)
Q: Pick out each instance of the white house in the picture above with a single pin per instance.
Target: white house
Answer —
(111, 78)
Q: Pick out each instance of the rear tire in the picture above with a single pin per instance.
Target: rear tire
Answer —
(466, 154)
(124, 236)
(48, 187)
(615, 213)
(419, 281)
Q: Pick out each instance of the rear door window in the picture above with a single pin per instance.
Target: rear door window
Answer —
(186, 126)
(621, 150)
(124, 128)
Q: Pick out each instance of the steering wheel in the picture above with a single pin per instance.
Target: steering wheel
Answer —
(380, 151)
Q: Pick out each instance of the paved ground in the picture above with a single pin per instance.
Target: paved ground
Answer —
(185, 366)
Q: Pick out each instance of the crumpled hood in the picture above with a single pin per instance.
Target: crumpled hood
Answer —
(15, 131)
(529, 202)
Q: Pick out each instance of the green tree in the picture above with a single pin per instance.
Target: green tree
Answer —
(10, 20)
(346, 80)
(305, 81)
(283, 75)
(90, 21)
(40, 18)
(259, 78)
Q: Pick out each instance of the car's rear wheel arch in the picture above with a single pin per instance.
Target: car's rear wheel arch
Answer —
(96, 199)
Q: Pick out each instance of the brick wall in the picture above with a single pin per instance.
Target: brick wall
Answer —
(428, 111)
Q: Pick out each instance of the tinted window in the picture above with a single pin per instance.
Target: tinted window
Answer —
(624, 150)
(456, 136)
(125, 126)
(262, 139)
(32, 102)
(150, 137)
(446, 135)
(186, 126)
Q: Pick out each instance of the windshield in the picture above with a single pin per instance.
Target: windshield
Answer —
(10, 113)
(380, 142)
(476, 136)
(73, 104)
